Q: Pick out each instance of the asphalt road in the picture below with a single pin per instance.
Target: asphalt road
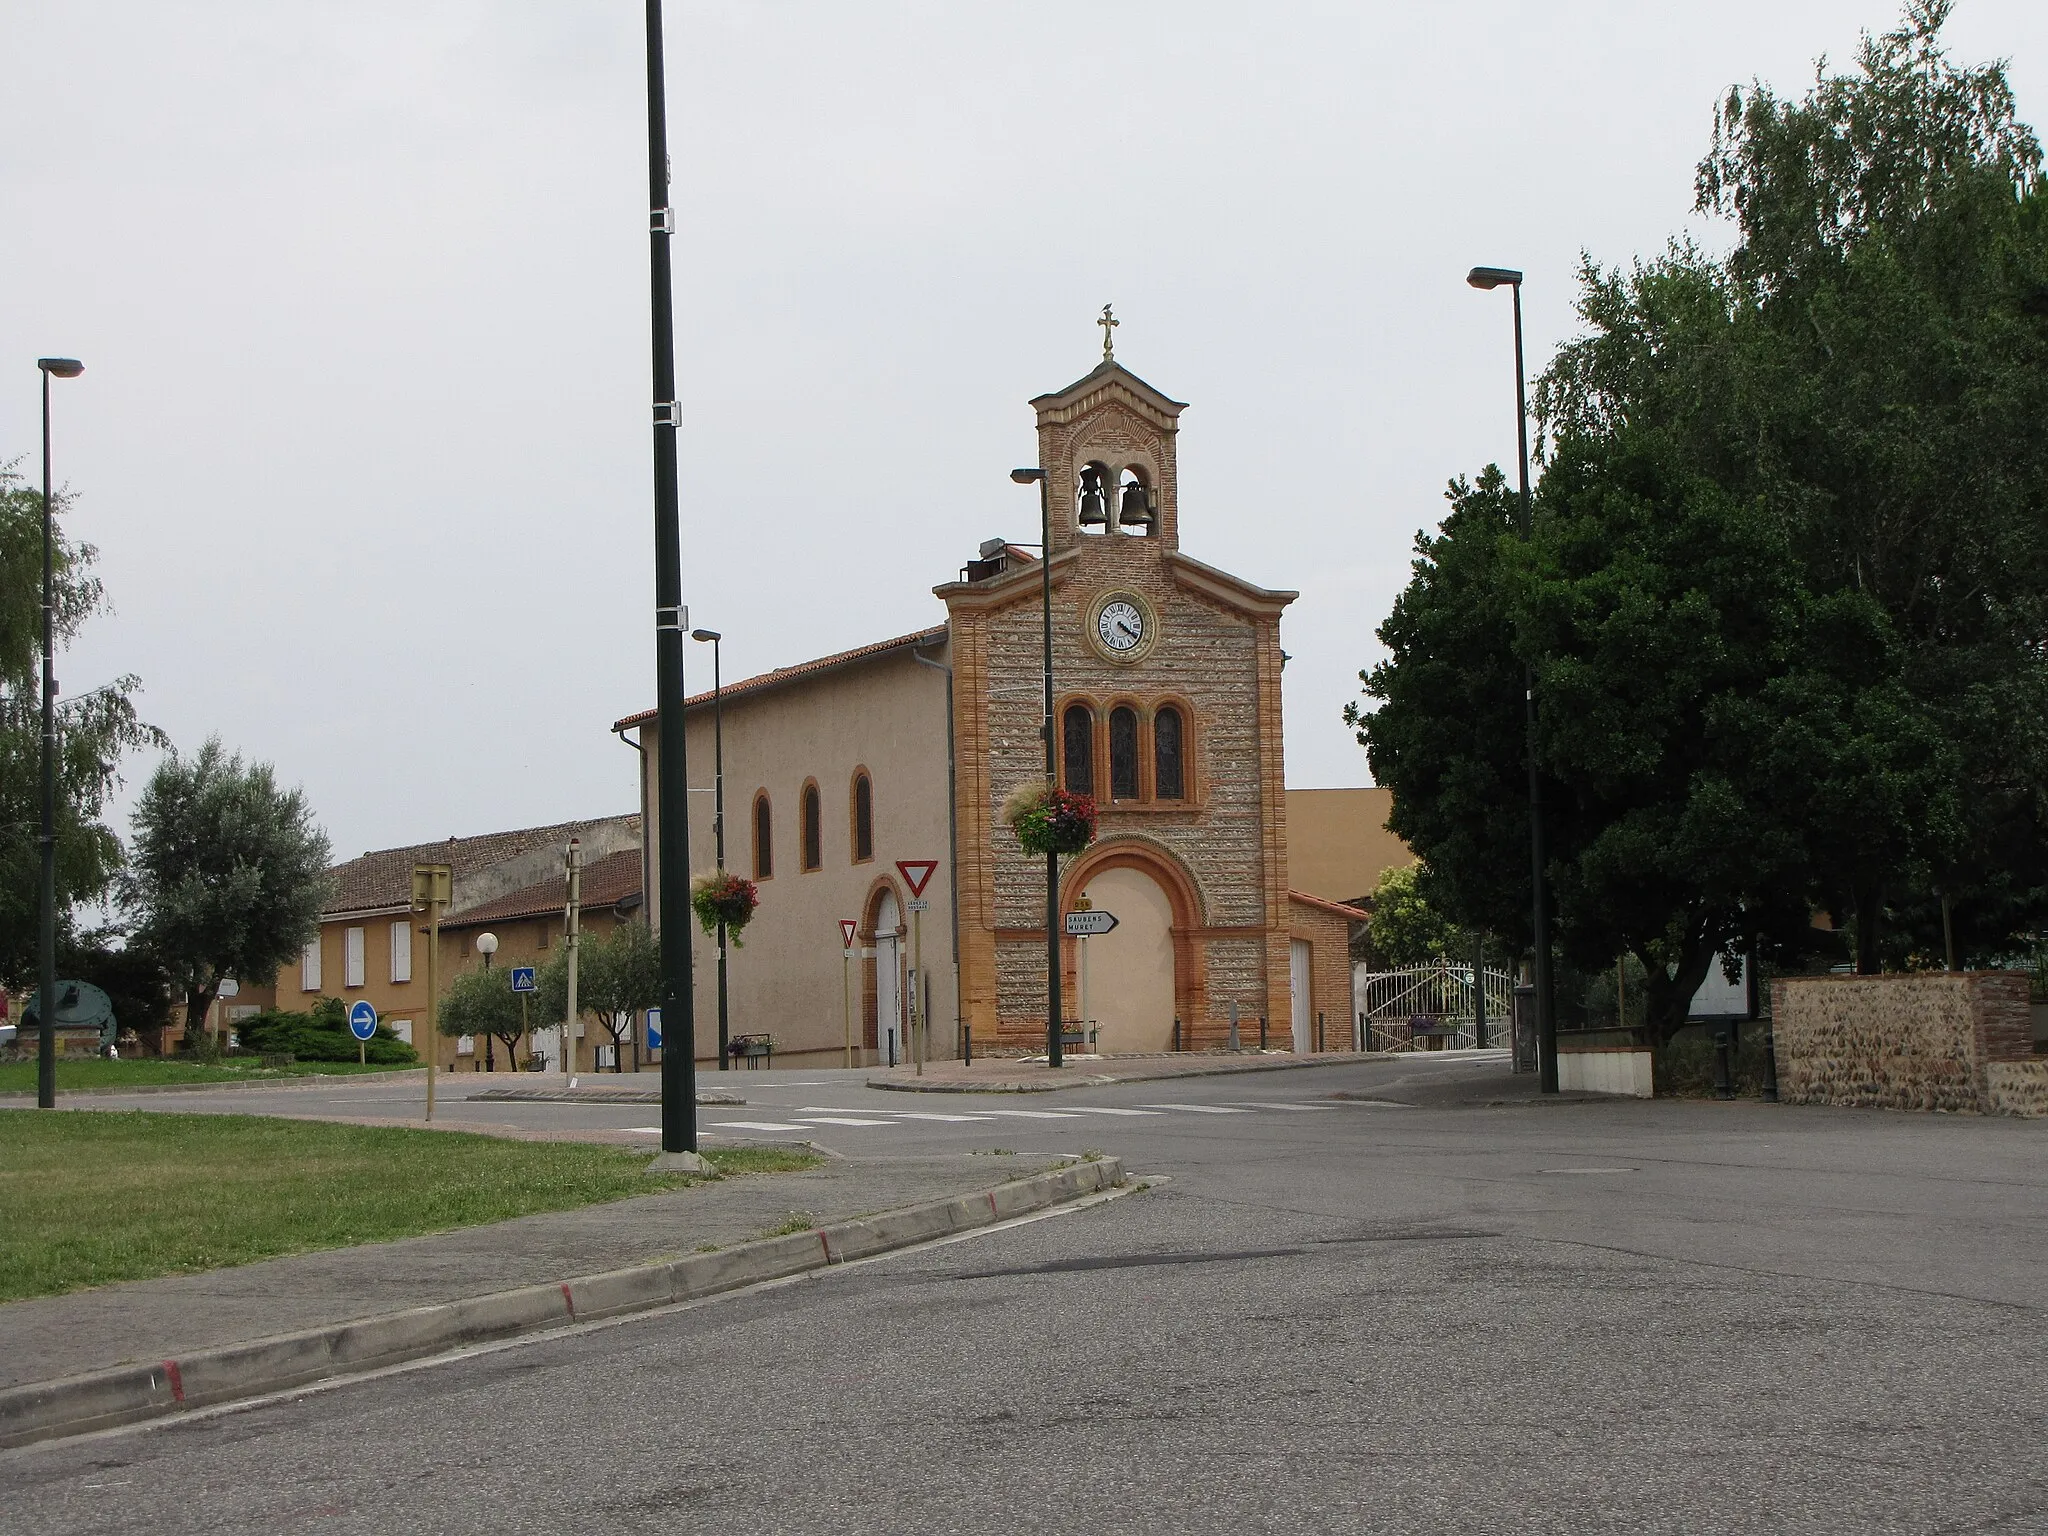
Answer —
(1416, 1311)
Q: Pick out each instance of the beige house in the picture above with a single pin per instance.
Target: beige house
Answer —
(373, 946)
(1168, 712)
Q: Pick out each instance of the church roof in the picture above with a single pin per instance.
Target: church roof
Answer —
(803, 669)
(1106, 370)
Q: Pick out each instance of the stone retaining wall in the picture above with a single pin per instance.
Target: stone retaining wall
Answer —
(1905, 1041)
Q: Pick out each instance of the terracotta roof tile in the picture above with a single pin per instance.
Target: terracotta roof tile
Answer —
(781, 675)
(1356, 914)
(383, 878)
(606, 883)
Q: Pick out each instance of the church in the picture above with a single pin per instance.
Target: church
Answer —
(1166, 677)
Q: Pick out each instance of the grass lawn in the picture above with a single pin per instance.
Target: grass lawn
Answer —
(91, 1197)
(95, 1072)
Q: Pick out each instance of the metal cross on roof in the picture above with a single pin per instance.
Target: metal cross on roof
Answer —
(1108, 322)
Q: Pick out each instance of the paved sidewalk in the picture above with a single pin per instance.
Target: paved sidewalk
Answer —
(149, 1320)
(1011, 1075)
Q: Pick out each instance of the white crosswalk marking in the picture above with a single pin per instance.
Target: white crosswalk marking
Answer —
(842, 1120)
(911, 1114)
(1097, 1109)
(1036, 1114)
(757, 1125)
(1293, 1109)
(1201, 1109)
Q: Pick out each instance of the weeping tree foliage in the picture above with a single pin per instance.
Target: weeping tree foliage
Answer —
(94, 731)
(1786, 596)
(227, 875)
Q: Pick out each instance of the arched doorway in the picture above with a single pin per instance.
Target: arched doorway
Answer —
(887, 982)
(1130, 970)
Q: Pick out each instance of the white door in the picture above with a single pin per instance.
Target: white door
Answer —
(888, 977)
(1130, 969)
(1297, 976)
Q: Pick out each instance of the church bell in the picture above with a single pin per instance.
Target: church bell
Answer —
(1136, 511)
(1094, 508)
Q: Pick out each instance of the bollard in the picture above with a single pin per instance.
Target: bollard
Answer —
(1770, 1067)
(1724, 1084)
(892, 1047)
(1262, 1031)
(1176, 1032)
(967, 1041)
(1233, 1027)
(1319, 1032)
(1360, 1036)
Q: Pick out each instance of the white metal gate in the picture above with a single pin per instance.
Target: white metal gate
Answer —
(1408, 1009)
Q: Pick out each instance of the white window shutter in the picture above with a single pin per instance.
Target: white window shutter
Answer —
(352, 957)
(401, 950)
(309, 967)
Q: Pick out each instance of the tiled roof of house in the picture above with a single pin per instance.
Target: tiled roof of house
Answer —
(1356, 914)
(802, 669)
(383, 877)
(606, 883)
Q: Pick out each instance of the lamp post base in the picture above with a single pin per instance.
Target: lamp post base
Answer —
(681, 1162)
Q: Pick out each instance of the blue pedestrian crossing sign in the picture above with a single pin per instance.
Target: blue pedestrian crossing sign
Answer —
(522, 979)
(362, 1019)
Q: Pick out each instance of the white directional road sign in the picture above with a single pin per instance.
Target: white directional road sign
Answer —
(522, 979)
(362, 1019)
(1082, 925)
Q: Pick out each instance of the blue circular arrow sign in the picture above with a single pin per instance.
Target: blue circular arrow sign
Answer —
(362, 1019)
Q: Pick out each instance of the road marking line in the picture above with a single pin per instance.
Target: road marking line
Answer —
(841, 1120)
(911, 1114)
(757, 1125)
(1036, 1114)
(1201, 1109)
(1093, 1109)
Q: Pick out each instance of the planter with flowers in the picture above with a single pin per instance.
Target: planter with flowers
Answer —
(1048, 819)
(724, 897)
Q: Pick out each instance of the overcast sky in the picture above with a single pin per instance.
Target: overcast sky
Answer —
(361, 288)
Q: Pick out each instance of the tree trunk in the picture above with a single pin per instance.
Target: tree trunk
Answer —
(198, 1001)
(511, 1044)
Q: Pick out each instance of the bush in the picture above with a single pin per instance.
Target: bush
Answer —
(319, 1034)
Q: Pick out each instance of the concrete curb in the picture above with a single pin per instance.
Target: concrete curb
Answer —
(103, 1399)
(228, 1085)
(1105, 1079)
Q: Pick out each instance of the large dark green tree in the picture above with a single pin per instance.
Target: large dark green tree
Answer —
(95, 730)
(227, 873)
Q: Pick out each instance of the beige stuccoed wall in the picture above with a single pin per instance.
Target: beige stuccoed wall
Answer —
(1338, 844)
(887, 714)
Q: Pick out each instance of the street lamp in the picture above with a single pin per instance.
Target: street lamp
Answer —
(672, 791)
(487, 946)
(1489, 278)
(46, 996)
(711, 637)
(1053, 1057)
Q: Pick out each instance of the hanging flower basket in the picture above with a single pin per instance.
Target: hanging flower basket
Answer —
(724, 898)
(1048, 819)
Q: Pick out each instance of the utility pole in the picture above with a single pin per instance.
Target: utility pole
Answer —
(46, 949)
(571, 922)
(432, 886)
(1053, 1057)
(672, 790)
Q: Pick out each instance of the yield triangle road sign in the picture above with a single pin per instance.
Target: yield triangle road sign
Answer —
(847, 929)
(917, 873)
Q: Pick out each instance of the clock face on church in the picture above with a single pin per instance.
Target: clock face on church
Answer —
(1123, 626)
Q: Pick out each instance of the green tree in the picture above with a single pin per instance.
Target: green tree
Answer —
(227, 873)
(95, 730)
(482, 1002)
(1405, 929)
(617, 976)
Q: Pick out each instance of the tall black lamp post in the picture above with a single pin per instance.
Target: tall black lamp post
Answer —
(1053, 1055)
(1546, 1003)
(46, 995)
(672, 789)
(711, 637)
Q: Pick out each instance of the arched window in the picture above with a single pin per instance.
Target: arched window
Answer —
(1078, 748)
(1123, 753)
(764, 842)
(863, 819)
(1169, 777)
(814, 832)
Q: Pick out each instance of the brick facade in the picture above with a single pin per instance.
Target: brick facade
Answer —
(1219, 852)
